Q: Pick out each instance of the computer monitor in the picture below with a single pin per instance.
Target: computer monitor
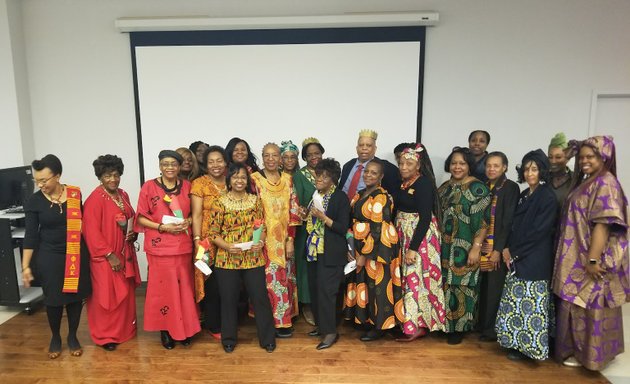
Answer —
(16, 186)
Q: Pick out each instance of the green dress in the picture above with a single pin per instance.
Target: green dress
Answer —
(304, 184)
(466, 211)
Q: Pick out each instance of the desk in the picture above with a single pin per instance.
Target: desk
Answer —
(12, 291)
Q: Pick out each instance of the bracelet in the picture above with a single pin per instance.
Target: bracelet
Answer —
(479, 244)
(25, 268)
(159, 228)
(197, 238)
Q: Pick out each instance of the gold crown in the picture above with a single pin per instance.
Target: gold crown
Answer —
(368, 133)
(310, 140)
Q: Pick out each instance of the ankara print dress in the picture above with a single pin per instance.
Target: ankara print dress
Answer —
(375, 296)
(466, 211)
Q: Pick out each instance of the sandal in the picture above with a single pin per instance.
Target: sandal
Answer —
(53, 355)
(75, 346)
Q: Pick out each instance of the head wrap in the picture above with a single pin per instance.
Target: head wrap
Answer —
(170, 153)
(558, 141)
(308, 141)
(288, 146)
(368, 133)
(412, 153)
(602, 145)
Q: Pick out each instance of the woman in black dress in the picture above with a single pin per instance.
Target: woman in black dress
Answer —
(53, 234)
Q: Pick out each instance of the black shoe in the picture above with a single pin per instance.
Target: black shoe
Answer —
(372, 335)
(186, 342)
(515, 355)
(167, 340)
(454, 338)
(270, 347)
(229, 348)
(487, 339)
(314, 332)
(328, 341)
(284, 333)
(110, 346)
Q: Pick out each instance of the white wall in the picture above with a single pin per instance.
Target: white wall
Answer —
(16, 142)
(522, 70)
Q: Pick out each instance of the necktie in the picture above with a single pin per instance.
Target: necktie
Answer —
(352, 189)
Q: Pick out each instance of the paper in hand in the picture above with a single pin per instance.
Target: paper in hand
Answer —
(351, 266)
(166, 219)
(244, 246)
(203, 267)
(318, 201)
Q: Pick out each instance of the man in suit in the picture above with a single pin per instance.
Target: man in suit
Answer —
(351, 181)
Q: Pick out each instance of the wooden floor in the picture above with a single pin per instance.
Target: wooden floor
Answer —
(24, 342)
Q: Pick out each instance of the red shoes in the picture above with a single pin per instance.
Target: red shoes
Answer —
(407, 338)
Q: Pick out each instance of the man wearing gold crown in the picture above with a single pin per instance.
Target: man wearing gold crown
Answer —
(352, 174)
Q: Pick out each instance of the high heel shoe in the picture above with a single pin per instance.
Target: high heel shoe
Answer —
(167, 340)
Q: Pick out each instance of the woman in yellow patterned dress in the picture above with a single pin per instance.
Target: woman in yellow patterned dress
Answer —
(280, 208)
(233, 216)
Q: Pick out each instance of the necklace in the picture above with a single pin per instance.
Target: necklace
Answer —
(277, 178)
(56, 200)
(167, 189)
(116, 199)
(408, 183)
(221, 187)
(237, 198)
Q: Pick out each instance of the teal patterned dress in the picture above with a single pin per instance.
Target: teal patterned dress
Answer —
(466, 211)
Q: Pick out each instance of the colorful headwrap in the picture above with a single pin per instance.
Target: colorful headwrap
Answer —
(288, 146)
(558, 141)
(602, 145)
(412, 153)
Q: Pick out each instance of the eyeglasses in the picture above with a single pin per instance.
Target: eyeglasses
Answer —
(173, 164)
(43, 181)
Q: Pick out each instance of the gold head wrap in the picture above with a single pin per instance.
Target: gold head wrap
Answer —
(368, 133)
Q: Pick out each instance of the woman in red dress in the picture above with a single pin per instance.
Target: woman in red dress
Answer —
(163, 215)
(113, 264)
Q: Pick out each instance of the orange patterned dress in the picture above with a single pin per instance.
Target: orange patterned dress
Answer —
(374, 294)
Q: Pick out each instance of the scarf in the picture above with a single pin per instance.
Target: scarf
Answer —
(73, 240)
(485, 264)
(315, 228)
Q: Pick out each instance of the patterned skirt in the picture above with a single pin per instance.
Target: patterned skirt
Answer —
(524, 316)
(593, 336)
(282, 291)
(423, 295)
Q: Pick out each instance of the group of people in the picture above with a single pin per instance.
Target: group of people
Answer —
(532, 269)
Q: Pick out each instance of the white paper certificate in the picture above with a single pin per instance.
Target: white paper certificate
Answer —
(203, 267)
(244, 246)
(166, 219)
(351, 266)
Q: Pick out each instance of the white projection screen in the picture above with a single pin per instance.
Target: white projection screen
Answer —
(274, 85)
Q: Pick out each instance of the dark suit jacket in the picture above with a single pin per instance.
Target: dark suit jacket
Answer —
(531, 238)
(335, 246)
(507, 198)
(391, 175)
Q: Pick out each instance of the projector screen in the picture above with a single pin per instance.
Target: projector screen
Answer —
(270, 86)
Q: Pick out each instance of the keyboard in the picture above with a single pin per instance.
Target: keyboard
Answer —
(19, 209)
